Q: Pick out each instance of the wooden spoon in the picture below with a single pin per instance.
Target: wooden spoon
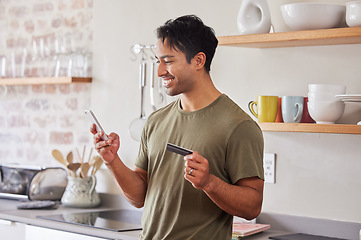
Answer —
(59, 157)
(92, 161)
(98, 162)
(90, 154)
(82, 157)
(69, 158)
(74, 167)
(84, 170)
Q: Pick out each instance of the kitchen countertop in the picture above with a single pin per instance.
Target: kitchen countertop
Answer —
(280, 224)
(9, 211)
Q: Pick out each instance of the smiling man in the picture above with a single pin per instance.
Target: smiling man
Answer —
(196, 196)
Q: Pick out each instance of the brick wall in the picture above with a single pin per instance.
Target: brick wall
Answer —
(34, 119)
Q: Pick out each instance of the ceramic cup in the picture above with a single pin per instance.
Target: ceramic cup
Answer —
(292, 109)
(306, 118)
(266, 108)
(353, 14)
(279, 111)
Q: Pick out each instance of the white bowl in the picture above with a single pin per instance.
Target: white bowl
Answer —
(326, 112)
(322, 97)
(309, 16)
(353, 14)
(327, 88)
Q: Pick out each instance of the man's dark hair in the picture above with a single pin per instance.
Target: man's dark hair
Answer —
(189, 34)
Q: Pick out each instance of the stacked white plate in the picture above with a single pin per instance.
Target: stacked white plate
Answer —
(349, 97)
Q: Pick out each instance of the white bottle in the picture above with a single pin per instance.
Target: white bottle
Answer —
(254, 17)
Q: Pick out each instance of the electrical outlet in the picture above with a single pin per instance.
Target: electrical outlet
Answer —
(269, 166)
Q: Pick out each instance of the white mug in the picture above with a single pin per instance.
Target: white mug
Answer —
(292, 109)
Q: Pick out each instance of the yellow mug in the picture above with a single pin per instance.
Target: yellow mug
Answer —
(266, 108)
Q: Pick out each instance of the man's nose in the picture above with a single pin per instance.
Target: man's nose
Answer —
(162, 71)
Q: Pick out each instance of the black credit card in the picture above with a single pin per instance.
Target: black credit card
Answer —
(177, 149)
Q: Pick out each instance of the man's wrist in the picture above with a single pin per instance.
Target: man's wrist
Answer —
(210, 186)
(111, 163)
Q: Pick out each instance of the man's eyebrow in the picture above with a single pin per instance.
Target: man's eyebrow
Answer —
(165, 56)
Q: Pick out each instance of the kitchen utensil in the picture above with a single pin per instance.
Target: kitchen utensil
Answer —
(90, 154)
(32, 183)
(84, 170)
(98, 162)
(160, 92)
(3, 66)
(92, 161)
(14, 181)
(152, 86)
(310, 16)
(69, 157)
(136, 126)
(82, 157)
(59, 157)
(73, 167)
(78, 154)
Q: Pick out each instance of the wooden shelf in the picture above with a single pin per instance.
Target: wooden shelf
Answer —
(334, 36)
(45, 80)
(310, 128)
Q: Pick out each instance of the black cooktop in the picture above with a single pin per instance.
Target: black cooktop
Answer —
(117, 220)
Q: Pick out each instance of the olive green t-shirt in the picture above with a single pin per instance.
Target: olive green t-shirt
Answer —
(222, 133)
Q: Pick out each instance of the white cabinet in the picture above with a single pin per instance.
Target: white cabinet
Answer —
(10, 230)
(39, 233)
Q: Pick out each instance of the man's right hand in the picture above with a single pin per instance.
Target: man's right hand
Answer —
(133, 183)
(107, 149)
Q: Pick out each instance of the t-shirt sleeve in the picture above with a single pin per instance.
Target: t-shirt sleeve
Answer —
(245, 152)
(142, 158)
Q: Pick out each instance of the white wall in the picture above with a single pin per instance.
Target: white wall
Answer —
(317, 175)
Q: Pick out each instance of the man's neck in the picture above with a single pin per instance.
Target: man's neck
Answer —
(200, 97)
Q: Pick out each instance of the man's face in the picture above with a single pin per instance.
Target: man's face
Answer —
(174, 69)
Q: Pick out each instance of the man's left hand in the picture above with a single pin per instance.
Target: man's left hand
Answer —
(196, 170)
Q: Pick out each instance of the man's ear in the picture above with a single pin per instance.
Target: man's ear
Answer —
(199, 60)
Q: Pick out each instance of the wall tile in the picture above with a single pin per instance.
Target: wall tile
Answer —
(35, 119)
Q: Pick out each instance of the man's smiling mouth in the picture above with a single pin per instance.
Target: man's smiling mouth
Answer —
(167, 81)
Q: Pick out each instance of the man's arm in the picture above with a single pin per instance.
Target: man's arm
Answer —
(132, 183)
(244, 199)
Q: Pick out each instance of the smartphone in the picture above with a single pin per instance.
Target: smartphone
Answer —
(94, 120)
